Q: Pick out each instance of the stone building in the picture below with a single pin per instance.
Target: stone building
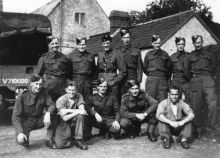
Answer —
(74, 18)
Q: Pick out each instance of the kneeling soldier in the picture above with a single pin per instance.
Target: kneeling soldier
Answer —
(104, 109)
(138, 107)
(28, 112)
(175, 118)
(70, 107)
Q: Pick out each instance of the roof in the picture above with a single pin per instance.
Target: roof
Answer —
(141, 34)
(47, 8)
(22, 23)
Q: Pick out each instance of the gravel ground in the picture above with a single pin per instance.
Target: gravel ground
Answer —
(140, 147)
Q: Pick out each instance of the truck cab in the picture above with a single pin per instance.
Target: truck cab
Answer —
(22, 42)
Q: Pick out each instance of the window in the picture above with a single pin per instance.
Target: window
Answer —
(80, 18)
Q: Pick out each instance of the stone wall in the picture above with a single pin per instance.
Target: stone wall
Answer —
(96, 21)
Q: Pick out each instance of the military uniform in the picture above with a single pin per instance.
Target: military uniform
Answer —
(107, 107)
(157, 67)
(75, 127)
(28, 113)
(83, 71)
(132, 58)
(55, 69)
(202, 67)
(180, 71)
(108, 63)
(130, 106)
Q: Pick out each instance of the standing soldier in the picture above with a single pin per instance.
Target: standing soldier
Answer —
(138, 107)
(109, 62)
(55, 69)
(180, 68)
(157, 67)
(202, 67)
(132, 57)
(83, 68)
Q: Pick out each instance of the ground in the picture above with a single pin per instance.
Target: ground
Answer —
(208, 147)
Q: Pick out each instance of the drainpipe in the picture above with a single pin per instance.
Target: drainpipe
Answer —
(61, 23)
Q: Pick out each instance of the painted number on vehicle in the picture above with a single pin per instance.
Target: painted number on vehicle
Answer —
(19, 90)
(15, 81)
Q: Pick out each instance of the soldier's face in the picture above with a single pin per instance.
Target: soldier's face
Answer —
(180, 46)
(156, 44)
(36, 86)
(106, 45)
(71, 91)
(126, 39)
(134, 91)
(198, 44)
(82, 46)
(54, 45)
(102, 88)
(174, 95)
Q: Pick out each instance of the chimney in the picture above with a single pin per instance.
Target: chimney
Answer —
(1, 5)
(119, 19)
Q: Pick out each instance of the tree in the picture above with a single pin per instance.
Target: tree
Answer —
(161, 8)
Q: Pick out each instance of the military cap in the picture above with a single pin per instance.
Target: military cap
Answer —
(178, 39)
(195, 37)
(155, 38)
(35, 78)
(106, 38)
(79, 40)
(124, 32)
(50, 38)
(100, 81)
(132, 83)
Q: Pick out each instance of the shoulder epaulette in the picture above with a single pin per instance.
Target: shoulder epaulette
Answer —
(125, 95)
(44, 54)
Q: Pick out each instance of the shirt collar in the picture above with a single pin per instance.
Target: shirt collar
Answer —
(179, 54)
(157, 52)
(132, 98)
(80, 54)
(53, 55)
(198, 52)
(109, 52)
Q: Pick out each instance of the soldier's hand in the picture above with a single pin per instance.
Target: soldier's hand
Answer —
(82, 112)
(47, 119)
(98, 118)
(116, 125)
(63, 112)
(181, 123)
(174, 124)
(21, 138)
(140, 116)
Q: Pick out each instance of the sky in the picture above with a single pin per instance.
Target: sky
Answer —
(107, 5)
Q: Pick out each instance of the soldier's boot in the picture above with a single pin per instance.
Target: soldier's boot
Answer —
(81, 145)
(50, 144)
(132, 132)
(151, 135)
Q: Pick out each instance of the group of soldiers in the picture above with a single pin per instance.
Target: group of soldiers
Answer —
(172, 101)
